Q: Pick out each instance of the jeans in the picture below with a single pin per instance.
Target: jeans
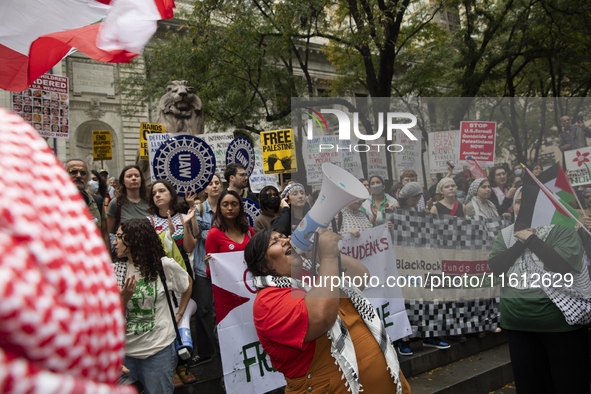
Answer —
(155, 372)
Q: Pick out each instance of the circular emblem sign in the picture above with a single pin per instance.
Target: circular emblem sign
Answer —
(241, 151)
(251, 209)
(187, 162)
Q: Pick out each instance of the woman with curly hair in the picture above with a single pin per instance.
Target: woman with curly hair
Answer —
(165, 216)
(131, 201)
(230, 231)
(150, 351)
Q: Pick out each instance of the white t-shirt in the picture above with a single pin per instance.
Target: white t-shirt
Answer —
(149, 326)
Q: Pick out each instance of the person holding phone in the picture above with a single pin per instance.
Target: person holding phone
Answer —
(572, 136)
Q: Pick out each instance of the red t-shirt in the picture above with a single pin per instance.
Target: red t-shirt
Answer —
(281, 321)
(218, 242)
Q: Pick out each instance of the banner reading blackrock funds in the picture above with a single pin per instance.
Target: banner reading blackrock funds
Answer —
(448, 289)
(247, 368)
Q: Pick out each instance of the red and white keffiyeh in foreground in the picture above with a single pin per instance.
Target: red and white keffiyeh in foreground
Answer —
(36, 34)
(61, 319)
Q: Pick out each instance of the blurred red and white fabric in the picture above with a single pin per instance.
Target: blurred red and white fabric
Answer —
(61, 318)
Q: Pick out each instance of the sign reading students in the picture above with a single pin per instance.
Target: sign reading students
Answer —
(278, 151)
(101, 145)
(145, 129)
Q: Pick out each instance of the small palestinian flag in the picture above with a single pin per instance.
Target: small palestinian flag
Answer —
(540, 206)
(475, 169)
(554, 178)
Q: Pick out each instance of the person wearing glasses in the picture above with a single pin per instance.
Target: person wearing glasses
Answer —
(79, 174)
(237, 178)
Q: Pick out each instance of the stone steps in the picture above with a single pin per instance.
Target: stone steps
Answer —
(477, 374)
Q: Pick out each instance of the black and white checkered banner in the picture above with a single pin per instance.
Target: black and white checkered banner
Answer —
(443, 231)
(449, 288)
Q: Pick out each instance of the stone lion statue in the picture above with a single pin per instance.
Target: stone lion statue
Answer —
(181, 110)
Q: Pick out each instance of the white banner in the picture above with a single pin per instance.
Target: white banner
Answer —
(577, 164)
(247, 368)
(443, 147)
(410, 157)
(154, 142)
(219, 143)
(374, 249)
(258, 179)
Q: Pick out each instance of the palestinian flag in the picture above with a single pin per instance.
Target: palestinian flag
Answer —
(541, 207)
(554, 178)
(36, 34)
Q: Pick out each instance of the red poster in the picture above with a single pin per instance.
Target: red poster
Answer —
(477, 139)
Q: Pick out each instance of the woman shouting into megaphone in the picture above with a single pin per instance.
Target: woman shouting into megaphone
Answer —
(327, 338)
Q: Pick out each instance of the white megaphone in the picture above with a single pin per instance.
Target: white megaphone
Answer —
(339, 189)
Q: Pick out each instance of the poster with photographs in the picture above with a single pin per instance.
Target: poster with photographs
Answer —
(45, 105)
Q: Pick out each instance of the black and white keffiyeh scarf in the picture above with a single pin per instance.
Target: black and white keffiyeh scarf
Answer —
(574, 301)
(342, 348)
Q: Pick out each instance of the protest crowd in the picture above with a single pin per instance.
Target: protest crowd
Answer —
(161, 253)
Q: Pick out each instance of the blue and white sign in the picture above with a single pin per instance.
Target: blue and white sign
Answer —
(187, 162)
(241, 151)
(251, 209)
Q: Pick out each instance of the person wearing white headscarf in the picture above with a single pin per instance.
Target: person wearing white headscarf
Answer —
(548, 343)
(477, 203)
(449, 205)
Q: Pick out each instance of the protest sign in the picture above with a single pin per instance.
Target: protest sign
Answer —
(145, 129)
(374, 249)
(477, 139)
(376, 159)
(241, 151)
(247, 368)
(101, 145)
(278, 151)
(314, 157)
(258, 179)
(443, 147)
(219, 143)
(351, 159)
(410, 156)
(154, 142)
(45, 105)
(577, 164)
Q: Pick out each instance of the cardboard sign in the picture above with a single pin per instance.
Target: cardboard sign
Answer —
(278, 151)
(154, 142)
(101, 145)
(219, 142)
(45, 106)
(145, 129)
(477, 139)
(577, 164)
(314, 158)
(376, 159)
(258, 179)
(410, 157)
(443, 147)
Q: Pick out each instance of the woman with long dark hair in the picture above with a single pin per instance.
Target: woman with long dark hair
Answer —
(98, 187)
(150, 351)
(131, 201)
(230, 231)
